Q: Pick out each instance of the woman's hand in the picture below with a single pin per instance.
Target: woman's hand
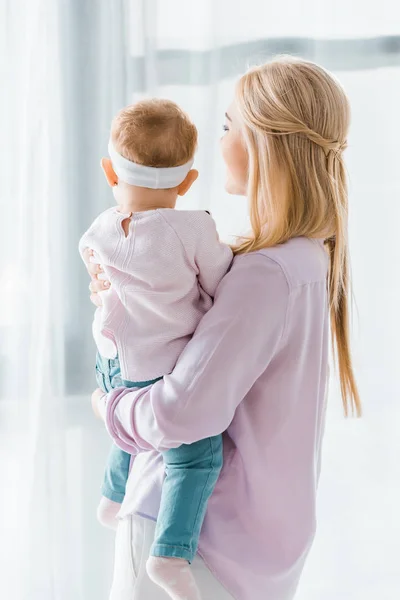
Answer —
(96, 272)
(98, 403)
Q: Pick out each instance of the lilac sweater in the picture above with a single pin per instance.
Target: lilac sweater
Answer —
(255, 369)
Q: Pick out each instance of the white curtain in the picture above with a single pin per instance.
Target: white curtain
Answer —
(67, 67)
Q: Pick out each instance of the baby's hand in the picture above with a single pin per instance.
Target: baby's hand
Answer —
(98, 283)
(98, 403)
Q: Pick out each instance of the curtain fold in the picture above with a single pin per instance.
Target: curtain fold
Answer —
(68, 67)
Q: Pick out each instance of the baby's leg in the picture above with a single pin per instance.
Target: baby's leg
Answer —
(191, 474)
(114, 486)
(108, 376)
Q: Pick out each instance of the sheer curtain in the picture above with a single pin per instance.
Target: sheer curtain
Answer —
(68, 67)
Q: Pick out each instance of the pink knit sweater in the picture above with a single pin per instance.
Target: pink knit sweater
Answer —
(163, 276)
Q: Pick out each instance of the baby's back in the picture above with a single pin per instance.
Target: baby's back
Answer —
(163, 274)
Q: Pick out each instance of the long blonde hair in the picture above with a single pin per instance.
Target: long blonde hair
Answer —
(295, 118)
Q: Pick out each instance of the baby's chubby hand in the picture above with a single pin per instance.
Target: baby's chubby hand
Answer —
(98, 403)
(98, 282)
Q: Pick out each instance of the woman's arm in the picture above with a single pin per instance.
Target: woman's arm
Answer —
(231, 348)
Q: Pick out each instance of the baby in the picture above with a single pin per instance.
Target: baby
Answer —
(164, 266)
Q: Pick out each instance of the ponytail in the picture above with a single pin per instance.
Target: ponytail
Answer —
(339, 284)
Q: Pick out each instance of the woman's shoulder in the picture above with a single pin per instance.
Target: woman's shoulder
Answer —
(300, 261)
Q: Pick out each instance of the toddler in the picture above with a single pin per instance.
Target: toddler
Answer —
(164, 266)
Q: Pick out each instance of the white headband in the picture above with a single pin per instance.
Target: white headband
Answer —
(148, 177)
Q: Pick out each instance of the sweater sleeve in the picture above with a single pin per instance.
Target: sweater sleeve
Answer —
(212, 257)
(233, 345)
(88, 237)
(96, 232)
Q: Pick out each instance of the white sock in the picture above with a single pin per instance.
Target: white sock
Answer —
(107, 513)
(175, 576)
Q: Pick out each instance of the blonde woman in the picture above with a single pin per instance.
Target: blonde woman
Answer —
(256, 368)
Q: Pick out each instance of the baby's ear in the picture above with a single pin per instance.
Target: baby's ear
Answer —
(187, 182)
(109, 172)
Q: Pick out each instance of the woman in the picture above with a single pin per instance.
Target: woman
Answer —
(256, 368)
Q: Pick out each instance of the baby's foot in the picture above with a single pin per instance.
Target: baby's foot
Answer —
(107, 512)
(175, 576)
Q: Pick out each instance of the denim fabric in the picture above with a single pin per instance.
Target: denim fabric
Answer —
(191, 472)
(116, 474)
(108, 373)
(108, 377)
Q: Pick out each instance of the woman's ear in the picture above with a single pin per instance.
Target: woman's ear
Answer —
(109, 172)
(187, 182)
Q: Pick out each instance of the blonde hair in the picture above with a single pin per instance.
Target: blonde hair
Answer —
(155, 133)
(295, 118)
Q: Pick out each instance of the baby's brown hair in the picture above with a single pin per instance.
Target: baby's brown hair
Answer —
(155, 133)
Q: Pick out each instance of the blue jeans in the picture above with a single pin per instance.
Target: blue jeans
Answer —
(192, 470)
